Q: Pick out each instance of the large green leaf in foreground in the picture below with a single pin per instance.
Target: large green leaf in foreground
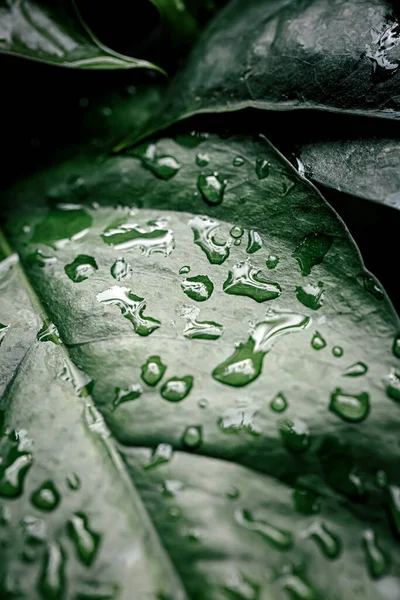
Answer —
(235, 420)
(53, 32)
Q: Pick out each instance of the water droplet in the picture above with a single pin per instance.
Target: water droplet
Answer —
(244, 280)
(337, 351)
(66, 222)
(161, 455)
(279, 403)
(194, 329)
(377, 561)
(153, 239)
(202, 159)
(328, 542)
(239, 421)
(15, 462)
(272, 261)
(131, 307)
(297, 588)
(381, 479)
(184, 270)
(81, 382)
(198, 288)
(164, 167)
(241, 587)
(204, 230)
(192, 437)
(392, 382)
(97, 590)
(237, 242)
(318, 342)
(306, 502)
(121, 269)
(236, 232)
(133, 392)
(194, 139)
(384, 62)
(350, 407)
(52, 579)
(369, 284)
(73, 481)
(46, 497)
(152, 371)
(174, 513)
(39, 259)
(233, 493)
(49, 333)
(262, 168)
(211, 187)
(356, 369)
(245, 364)
(311, 295)
(3, 331)
(279, 538)
(85, 540)
(171, 487)
(339, 468)
(176, 389)
(394, 503)
(35, 531)
(254, 242)
(5, 515)
(238, 161)
(81, 268)
(295, 435)
(312, 250)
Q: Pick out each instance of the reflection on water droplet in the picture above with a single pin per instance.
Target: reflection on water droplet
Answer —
(254, 242)
(236, 232)
(272, 261)
(85, 540)
(238, 161)
(66, 222)
(328, 542)
(73, 481)
(81, 382)
(204, 230)
(192, 437)
(176, 389)
(394, 504)
(245, 364)
(281, 539)
(385, 62)
(318, 342)
(131, 307)
(81, 268)
(184, 270)
(311, 295)
(202, 159)
(39, 259)
(198, 288)
(337, 351)
(279, 403)
(194, 329)
(15, 462)
(244, 280)
(49, 333)
(131, 393)
(262, 168)
(306, 502)
(241, 587)
(297, 588)
(203, 403)
(237, 242)
(152, 371)
(155, 238)
(371, 286)
(211, 187)
(377, 561)
(121, 269)
(356, 370)
(312, 250)
(192, 140)
(164, 167)
(233, 493)
(170, 488)
(392, 382)
(295, 435)
(46, 497)
(239, 421)
(52, 578)
(161, 455)
(3, 331)
(350, 407)
(396, 346)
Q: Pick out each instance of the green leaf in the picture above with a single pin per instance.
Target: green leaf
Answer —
(177, 20)
(53, 32)
(244, 446)
(284, 55)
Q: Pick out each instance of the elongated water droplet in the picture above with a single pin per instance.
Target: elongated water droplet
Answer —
(49, 333)
(98, 590)
(312, 250)
(81, 268)
(202, 159)
(340, 471)
(121, 269)
(62, 224)
(39, 259)
(85, 540)
(356, 370)
(295, 435)
(377, 561)
(152, 371)
(198, 288)
(194, 329)
(272, 261)
(245, 364)
(46, 497)
(132, 308)
(192, 437)
(236, 232)
(240, 587)
(3, 331)
(176, 389)
(392, 382)
(153, 239)
(238, 161)
(164, 167)
(350, 407)
(279, 403)
(394, 504)
(52, 579)
(160, 455)
(211, 187)
(262, 168)
(279, 538)
(204, 231)
(244, 280)
(15, 461)
(337, 351)
(306, 502)
(318, 342)
(73, 481)
(239, 421)
(310, 295)
(133, 392)
(254, 242)
(396, 346)
(184, 270)
(328, 542)
(297, 588)
(81, 382)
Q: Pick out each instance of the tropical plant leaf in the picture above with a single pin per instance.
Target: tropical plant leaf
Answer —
(267, 463)
(53, 32)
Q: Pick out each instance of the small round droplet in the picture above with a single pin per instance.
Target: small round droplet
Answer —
(184, 270)
(381, 479)
(73, 481)
(152, 371)
(177, 388)
(272, 261)
(237, 242)
(211, 188)
(81, 268)
(279, 403)
(203, 403)
(202, 159)
(318, 342)
(236, 232)
(337, 351)
(174, 513)
(192, 437)
(396, 346)
(238, 161)
(46, 497)
(350, 407)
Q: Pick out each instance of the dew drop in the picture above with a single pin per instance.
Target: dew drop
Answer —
(160, 455)
(66, 222)
(396, 346)
(377, 561)
(155, 238)
(202, 159)
(337, 351)
(198, 288)
(312, 250)
(204, 230)
(237, 242)
(381, 479)
(262, 168)
(15, 462)
(236, 232)
(239, 421)
(131, 307)
(52, 578)
(241, 587)
(394, 504)
(3, 331)
(184, 270)
(73, 481)
(133, 392)
(192, 437)
(254, 242)
(176, 389)
(238, 161)
(328, 542)
(49, 333)
(340, 470)
(272, 261)
(39, 259)
(194, 329)
(203, 403)
(211, 188)
(306, 502)
(96, 590)
(152, 371)
(164, 167)
(233, 493)
(392, 382)
(297, 588)
(46, 497)
(81, 268)
(371, 286)
(310, 295)
(356, 370)
(281, 539)
(350, 407)
(318, 342)
(279, 403)
(121, 270)
(244, 280)
(85, 540)
(295, 435)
